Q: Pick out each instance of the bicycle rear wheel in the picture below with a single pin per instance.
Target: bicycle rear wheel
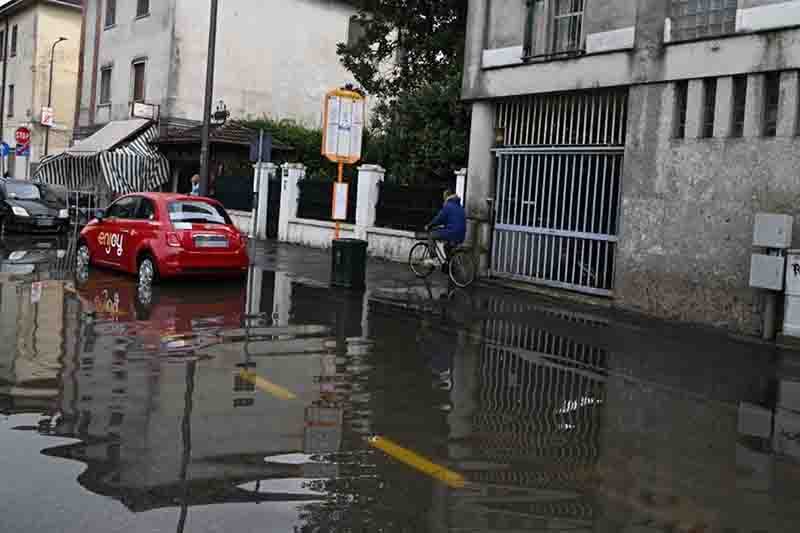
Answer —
(462, 269)
(421, 260)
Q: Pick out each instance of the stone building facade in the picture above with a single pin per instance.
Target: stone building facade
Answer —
(28, 31)
(622, 148)
(274, 58)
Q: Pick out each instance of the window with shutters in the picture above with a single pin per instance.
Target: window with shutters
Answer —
(111, 13)
(139, 80)
(142, 8)
(105, 85)
(692, 19)
(10, 100)
(2, 44)
(554, 27)
(14, 33)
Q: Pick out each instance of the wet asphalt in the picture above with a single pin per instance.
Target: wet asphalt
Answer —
(279, 404)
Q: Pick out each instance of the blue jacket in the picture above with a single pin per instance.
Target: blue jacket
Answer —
(454, 220)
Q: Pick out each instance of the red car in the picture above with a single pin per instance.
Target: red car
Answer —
(160, 235)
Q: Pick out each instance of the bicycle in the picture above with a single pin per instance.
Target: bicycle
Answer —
(424, 259)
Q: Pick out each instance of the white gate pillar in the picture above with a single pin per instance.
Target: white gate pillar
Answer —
(263, 173)
(282, 299)
(461, 185)
(369, 179)
(292, 173)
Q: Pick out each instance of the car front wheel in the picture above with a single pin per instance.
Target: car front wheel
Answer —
(84, 257)
(148, 273)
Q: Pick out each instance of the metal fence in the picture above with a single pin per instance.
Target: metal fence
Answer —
(316, 199)
(235, 192)
(406, 207)
(558, 189)
(541, 393)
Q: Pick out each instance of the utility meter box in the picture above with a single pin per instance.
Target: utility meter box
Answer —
(766, 272)
(791, 311)
(772, 231)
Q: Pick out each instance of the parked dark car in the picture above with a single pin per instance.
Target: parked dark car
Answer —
(31, 207)
(23, 254)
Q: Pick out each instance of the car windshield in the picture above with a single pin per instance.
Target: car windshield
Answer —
(197, 211)
(23, 191)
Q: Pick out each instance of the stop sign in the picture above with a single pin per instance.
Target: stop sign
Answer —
(22, 135)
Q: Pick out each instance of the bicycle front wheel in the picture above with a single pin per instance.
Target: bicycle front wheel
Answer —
(421, 260)
(462, 269)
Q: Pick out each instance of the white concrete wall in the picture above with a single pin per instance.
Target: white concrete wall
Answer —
(274, 57)
(317, 233)
(242, 220)
(391, 244)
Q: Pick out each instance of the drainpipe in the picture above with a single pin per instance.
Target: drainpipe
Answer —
(4, 44)
(79, 91)
(95, 59)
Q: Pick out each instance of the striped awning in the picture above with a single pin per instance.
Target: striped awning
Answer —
(133, 166)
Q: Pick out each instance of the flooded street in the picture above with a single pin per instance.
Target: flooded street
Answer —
(278, 404)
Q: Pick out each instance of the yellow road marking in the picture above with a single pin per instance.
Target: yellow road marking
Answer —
(416, 461)
(267, 386)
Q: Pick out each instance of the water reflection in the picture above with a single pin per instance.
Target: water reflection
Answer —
(186, 395)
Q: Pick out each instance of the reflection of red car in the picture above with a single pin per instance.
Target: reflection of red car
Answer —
(163, 316)
(166, 235)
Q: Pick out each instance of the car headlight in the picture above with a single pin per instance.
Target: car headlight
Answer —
(19, 211)
(63, 213)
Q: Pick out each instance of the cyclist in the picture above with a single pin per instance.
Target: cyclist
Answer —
(450, 225)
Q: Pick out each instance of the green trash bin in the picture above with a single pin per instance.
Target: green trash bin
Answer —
(349, 263)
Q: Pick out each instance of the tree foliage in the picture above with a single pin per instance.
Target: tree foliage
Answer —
(409, 56)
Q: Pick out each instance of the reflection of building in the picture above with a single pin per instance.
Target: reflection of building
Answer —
(32, 336)
(138, 411)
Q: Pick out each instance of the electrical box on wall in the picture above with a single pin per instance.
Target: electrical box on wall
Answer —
(772, 231)
(767, 271)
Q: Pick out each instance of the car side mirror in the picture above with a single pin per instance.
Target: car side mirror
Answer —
(100, 214)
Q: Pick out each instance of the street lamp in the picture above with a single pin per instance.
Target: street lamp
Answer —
(50, 92)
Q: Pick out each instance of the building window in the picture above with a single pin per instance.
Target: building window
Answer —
(692, 19)
(554, 27)
(105, 85)
(739, 105)
(355, 32)
(138, 81)
(2, 44)
(681, 92)
(709, 104)
(567, 25)
(10, 101)
(772, 96)
(14, 32)
(111, 13)
(142, 8)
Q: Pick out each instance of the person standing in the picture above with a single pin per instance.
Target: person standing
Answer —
(195, 185)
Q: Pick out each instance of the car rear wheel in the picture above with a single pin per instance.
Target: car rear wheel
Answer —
(148, 272)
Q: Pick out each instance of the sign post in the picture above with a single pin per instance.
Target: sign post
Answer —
(342, 139)
(23, 138)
